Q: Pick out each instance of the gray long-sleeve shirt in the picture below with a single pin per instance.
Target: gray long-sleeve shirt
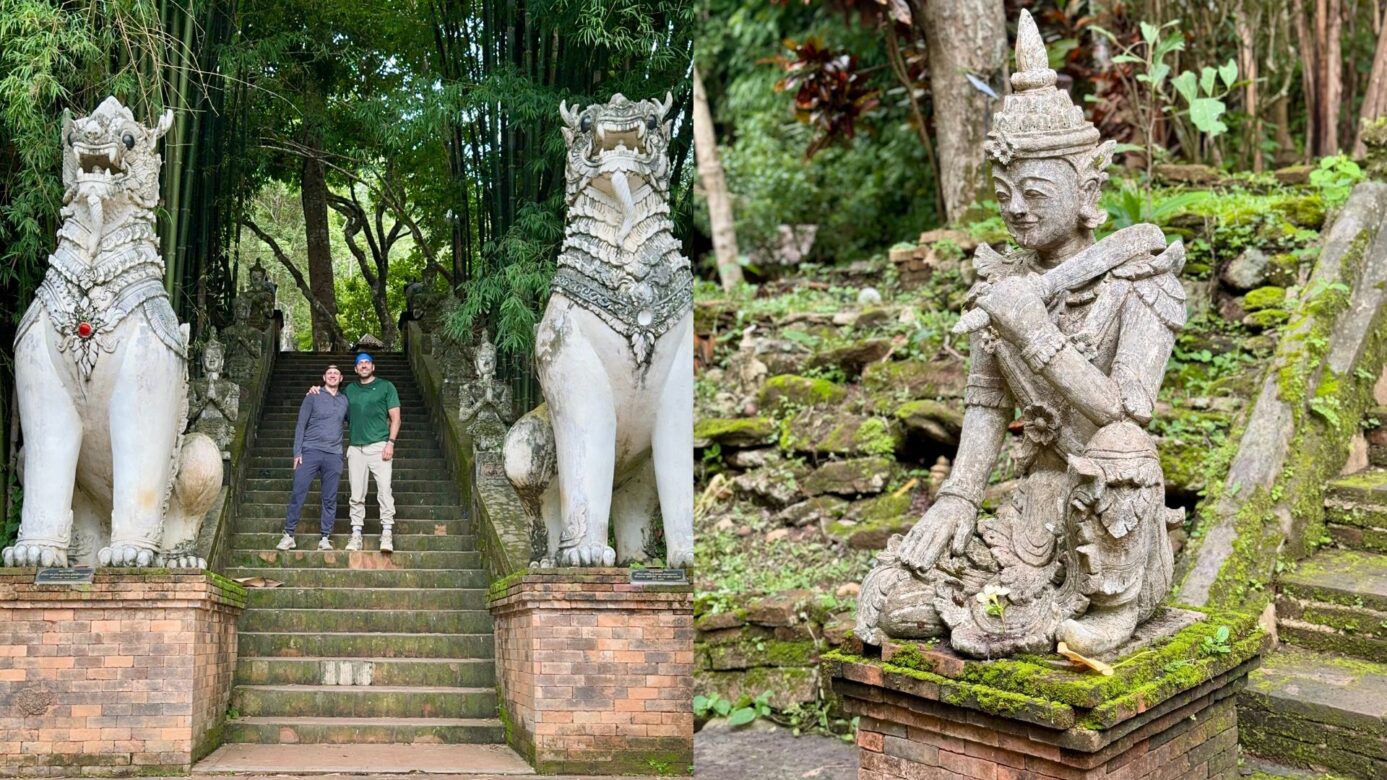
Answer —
(320, 423)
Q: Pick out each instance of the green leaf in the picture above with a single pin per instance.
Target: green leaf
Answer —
(1186, 85)
(1158, 73)
(1149, 32)
(1124, 58)
(1206, 79)
(1058, 51)
(742, 717)
(722, 707)
(700, 704)
(1229, 72)
(1205, 113)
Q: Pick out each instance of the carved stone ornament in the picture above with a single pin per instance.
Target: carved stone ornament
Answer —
(101, 370)
(1076, 334)
(214, 402)
(614, 353)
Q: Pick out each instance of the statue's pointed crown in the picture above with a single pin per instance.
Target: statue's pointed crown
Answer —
(1037, 120)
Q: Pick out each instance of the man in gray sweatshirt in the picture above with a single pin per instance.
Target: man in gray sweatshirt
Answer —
(317, 452)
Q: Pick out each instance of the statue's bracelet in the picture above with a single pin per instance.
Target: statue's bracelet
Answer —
(949, 491)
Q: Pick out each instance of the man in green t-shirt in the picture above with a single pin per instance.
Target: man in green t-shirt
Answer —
(373, 422)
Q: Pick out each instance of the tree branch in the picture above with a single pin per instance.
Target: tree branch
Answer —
(299, 279)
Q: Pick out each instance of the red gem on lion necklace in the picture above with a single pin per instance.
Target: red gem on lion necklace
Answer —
(85, 330)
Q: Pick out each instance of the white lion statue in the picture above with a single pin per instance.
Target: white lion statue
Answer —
(614, 353)
(101, 372)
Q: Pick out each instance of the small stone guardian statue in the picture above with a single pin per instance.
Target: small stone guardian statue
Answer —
(216, 401)
(486, 412)
(1076, 333)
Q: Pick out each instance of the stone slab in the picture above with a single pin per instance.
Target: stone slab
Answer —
(467, 760)
(1342, 577)
(1324, 688)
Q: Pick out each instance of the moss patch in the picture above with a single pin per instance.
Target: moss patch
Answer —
(736, 432)
(799, 391)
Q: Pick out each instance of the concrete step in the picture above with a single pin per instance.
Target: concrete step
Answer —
(1355, 510)
(437, 672)
(453, 621)
(364, 645)
(374, 701)
(307, 535)
(426, 733)
(362, 559)
(1336, 602)
(366, 578)
(399, 485)
(1317, 711)
(441, 512)
(367, 598)
(277, 465)
(403, 498)
(272, 522)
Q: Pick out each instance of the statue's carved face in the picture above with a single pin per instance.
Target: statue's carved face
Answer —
(1042, 201)
(486, 363)
(619, 136)
(109, 153)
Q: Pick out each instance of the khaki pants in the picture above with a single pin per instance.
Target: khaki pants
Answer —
(361, 461)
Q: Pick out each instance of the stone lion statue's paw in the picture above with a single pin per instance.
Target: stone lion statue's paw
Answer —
(589, 555)
(34, 555)
(680, 559)
(180, 562)
(125, 555)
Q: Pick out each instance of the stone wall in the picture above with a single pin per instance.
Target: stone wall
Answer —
(214, 538)
(595, 673)
(502, 528)
(1297, 434)
(127, 676)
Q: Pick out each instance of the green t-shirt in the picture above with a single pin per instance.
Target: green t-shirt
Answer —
(367, 407)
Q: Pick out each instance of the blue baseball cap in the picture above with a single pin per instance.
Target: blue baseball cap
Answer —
(360, 356)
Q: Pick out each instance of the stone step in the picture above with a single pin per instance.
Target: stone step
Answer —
(399, 485)
(278, 465)
(1337, 602)
(1317, 711)
(375, 701)
(271, 521)
(403, 498)
(280, 644)
(307, 535)
(366, 578)
(367, 598)
(441, 512)
(357, 731)
(355, 621)
(361, 559)
(1355, 510)
(437, 672)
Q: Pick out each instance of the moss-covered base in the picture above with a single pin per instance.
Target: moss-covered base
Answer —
(1050, 691)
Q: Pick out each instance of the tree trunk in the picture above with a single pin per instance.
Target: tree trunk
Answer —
(964, 36)
(1375, 97)
(1309, 75)
(715, 189)
(315, 222)
(1328, 30)
(1247, 70)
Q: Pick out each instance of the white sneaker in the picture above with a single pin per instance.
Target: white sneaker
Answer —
(324, 543)
(354, 543)
(286, 542)
(387, 542)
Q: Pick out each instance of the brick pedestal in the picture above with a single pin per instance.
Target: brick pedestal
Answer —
(126, 676)
(1168, 711)
(595, 674)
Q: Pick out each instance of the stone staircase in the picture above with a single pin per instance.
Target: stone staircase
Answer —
(1320, 700)
(360, 647)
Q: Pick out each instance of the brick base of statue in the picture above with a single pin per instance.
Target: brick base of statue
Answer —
(1168, 710)
(595, 672)
(128, 675)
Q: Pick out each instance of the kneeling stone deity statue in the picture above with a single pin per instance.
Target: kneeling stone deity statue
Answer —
(1076, 333)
